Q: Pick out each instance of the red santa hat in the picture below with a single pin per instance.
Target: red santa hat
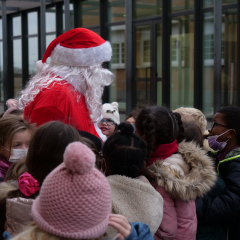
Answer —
(78, 47)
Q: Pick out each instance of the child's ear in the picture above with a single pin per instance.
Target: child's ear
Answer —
(232, 134)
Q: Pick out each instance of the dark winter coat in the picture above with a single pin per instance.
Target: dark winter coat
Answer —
(224, 209)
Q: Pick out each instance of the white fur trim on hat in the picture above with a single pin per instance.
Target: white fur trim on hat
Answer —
(111, 111)
(82, 57)
(39, 65)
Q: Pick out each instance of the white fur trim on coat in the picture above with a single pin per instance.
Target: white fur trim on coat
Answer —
(136, 200)
(187, 175)
(82, 57)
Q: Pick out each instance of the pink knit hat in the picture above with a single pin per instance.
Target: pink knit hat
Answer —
(75, 198)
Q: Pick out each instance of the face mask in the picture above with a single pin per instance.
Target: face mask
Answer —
(214, 144)
(17, 154)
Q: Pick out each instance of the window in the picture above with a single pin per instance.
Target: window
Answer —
(146, 51)
(117, 90)
(32, 42)
(118, 53)
(174, 45)
(208, 48)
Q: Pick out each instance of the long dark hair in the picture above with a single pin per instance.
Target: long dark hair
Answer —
(159, 125)
(125, 153)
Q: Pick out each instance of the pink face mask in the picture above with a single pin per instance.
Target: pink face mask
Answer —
(214, 144)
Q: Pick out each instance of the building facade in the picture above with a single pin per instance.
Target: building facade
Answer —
(166, 52)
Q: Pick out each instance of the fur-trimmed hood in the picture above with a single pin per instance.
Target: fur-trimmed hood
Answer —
(188, 174)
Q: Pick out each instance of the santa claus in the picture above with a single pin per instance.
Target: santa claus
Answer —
(70, 87)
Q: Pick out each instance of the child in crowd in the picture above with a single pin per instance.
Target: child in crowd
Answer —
(15, 135)
(110, 120)
(206, 231)
(45, 153)
(124, 165)
(189, 115)
(184, 171)
(219, 212)
(75, 203)
(132, 116)
(192, 132)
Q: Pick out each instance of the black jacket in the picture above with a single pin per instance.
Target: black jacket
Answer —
(225, 208)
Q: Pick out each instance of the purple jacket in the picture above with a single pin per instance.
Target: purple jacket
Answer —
(4, 166)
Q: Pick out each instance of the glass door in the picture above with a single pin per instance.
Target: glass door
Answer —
(147, 61)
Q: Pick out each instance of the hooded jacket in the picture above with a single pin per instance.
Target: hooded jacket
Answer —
(224, 209)
(182, 178)
(136, 200)
(18, 214)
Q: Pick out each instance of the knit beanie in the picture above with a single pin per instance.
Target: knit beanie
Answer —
(111, 111)
(75, 198)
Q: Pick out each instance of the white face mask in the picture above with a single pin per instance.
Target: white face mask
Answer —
(17, 154)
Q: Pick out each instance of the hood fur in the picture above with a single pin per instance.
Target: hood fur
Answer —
(187, 175)
(136, 200)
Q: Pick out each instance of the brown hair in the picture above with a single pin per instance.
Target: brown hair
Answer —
(16, 170)
(16, 112)
(10, 125)
(159, 125)
(134, 113)
(192, 132)
(47, 147)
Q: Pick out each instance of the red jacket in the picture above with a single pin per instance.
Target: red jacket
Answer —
(59, 102)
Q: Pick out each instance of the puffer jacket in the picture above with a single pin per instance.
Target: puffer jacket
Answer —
(224, 209)
(136, 200)
(18, 214)
(182, 178)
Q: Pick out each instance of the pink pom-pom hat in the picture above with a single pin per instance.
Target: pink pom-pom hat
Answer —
(75, 198)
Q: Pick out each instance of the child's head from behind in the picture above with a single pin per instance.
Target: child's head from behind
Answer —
(125, 153)
(47, 146)
(15, 133)
(193, 115)
(159, 125)
(192, 132)
(74, 196)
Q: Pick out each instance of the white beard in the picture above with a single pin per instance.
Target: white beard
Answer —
(90, 81)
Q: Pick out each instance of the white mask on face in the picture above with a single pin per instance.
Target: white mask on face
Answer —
(17, 154)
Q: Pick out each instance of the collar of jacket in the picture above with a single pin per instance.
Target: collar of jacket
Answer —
(235, 153)
(196, 183)
(163, 151)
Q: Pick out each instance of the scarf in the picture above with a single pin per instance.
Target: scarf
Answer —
(4, 165)
(163, 151)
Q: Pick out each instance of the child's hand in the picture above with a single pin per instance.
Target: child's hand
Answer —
(121, 224)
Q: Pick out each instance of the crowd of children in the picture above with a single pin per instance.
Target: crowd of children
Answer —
(69, 169)
(153, 177)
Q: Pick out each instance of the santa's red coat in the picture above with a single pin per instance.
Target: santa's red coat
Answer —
(59, 102)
